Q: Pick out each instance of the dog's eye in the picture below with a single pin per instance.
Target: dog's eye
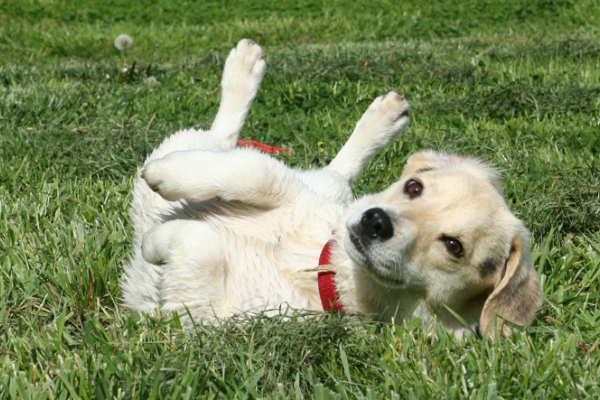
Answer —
(454, 246)
(413, 188)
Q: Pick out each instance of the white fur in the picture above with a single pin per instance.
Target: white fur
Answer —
(221, 230)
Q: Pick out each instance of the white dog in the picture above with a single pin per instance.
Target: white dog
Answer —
(221, 230)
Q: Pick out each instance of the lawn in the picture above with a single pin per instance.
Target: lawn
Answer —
(514, 82)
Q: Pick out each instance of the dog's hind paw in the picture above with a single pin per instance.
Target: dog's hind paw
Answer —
(244, 70)
(155, 248)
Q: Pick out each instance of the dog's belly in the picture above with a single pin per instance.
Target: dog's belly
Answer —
(271, 276)
(268, 254)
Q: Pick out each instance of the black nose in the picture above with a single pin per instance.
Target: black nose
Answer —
(376, 224)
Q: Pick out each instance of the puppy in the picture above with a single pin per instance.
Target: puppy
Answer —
(221, 230)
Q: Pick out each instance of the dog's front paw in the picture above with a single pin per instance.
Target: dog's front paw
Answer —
(162, 176)
(244, 69)
(388, 113)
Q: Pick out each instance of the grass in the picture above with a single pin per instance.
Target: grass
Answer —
(513, 82)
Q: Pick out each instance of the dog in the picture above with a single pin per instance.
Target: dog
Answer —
(220, 230)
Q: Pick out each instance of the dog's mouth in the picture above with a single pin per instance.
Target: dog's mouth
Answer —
(385, 281)
(373, 272)
(357, 245)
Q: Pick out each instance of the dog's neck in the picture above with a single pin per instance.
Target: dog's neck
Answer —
(358, 292)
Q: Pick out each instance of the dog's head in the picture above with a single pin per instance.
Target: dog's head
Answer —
(444, 231)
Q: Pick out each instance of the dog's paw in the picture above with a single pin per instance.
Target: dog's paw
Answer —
(162, 176)
(388, 112)
(155, 245)
(244, 69)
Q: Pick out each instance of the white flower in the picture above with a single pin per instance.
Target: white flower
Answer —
(151, 81)
(123, 41)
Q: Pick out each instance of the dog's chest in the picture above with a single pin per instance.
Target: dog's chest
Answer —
(268, 253)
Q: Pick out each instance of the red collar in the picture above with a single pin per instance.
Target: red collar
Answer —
(329, 295)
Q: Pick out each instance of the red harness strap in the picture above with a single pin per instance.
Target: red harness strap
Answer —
(253, 144)
(327, 289)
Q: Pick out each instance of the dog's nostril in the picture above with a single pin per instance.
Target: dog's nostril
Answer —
(376, 224)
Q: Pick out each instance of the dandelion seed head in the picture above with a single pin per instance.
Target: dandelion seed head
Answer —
(123, 41)
(151, 81)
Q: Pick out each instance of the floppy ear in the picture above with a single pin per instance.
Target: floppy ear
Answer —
(517, 295)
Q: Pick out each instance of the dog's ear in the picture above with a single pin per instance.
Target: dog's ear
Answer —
(517, 294)
(431, 160)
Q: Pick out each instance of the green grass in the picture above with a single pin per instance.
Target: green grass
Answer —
(515, 82)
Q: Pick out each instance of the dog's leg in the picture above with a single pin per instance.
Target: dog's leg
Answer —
(241, 174)
(244, 70)
(383, 121)
(242, 75)
(191, 260)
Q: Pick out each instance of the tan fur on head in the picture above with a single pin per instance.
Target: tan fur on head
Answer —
(430, 159)
(516, 294)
